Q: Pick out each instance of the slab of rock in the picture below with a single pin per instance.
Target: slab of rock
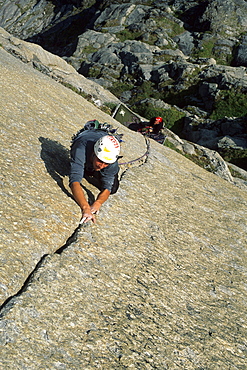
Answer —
(157, 283)
(54, 67)
(38, 118)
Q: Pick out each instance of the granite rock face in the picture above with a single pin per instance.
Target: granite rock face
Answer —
(39, 117)
(55, 67)
(189, 54)
(157, 283)
(61, 71)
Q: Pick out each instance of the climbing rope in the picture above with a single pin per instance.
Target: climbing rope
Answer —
(144, 155)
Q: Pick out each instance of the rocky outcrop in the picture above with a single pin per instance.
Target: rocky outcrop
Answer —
(129, 57)
(55, 67)
(241, 53)
(188, 54)
(213, 134)
(210, 160)
(228, 136)
(227, 17)
(156, 283)
(25, 19)
(208, 134)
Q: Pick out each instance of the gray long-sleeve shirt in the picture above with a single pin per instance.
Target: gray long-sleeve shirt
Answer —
(81, 159)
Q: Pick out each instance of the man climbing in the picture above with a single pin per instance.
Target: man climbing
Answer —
(94, 156)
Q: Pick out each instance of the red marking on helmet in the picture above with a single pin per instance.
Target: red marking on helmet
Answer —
(114, 141)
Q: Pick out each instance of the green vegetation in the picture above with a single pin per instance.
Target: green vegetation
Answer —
(209, 49)
(126, 34)
(119, 87)
(71, 87)
(111, 23)
(163, 57)
(200, 160)
(182, 98)
(170, 145)
(94, 72)
(105, 109)
(147, 110)
(236, 174)
(146, 90)
(89, 49)
(172, 28)
(173, 120)
(223, 59)
(235, 156)
(229, 103)
(206, 49)
(112, 106)
(147, 2)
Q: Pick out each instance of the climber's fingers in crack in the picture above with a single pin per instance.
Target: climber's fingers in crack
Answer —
(87, 218)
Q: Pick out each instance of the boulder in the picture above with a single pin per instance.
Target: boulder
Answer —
(225, 132)
(214, 162)
(225, 76)
(94, 40)
(185, 42)
(114, 13)
(156, 103)
(23, 20)
(232, 142)
(241, 53)
(219, 15)
(240, 176)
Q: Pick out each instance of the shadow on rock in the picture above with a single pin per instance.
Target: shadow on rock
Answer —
(57, 162)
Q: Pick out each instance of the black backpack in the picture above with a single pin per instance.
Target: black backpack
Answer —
(96, 125)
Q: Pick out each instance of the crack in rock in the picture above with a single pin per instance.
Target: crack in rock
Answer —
(10, 301)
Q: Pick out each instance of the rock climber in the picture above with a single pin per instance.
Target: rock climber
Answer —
(154, 126)
(94, 155)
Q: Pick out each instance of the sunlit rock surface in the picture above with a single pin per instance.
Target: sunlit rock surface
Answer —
(158, 283)
(38, 118)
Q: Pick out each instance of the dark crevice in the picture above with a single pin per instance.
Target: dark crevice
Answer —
(71, 239)
(24, 286)
(28, 280)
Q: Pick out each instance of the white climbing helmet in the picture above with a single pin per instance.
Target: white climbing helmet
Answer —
(107, 149)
